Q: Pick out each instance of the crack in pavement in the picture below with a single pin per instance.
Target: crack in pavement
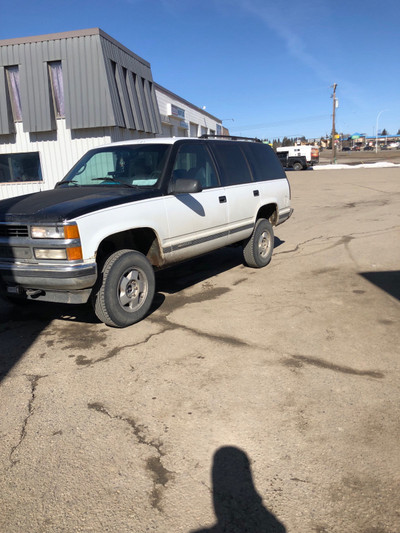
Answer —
(159, 473)
(34, 379)
(296, 249)
(341, 239)
(167, 326)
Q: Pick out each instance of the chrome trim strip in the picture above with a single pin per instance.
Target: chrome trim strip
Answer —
(202, 240)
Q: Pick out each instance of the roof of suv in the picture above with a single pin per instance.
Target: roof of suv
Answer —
(152, 140)
(173, 140)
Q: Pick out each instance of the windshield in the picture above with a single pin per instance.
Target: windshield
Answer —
(127, 166)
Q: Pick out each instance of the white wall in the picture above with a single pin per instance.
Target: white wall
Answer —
(58, 152)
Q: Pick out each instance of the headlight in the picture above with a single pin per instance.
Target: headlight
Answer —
(55, 232)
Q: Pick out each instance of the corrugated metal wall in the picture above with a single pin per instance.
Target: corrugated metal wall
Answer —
(109, 96)
(131, 86)
(97, 94)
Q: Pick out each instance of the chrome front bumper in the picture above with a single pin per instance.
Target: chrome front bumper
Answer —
(60, 277)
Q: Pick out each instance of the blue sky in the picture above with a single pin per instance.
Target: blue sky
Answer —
(268, 65)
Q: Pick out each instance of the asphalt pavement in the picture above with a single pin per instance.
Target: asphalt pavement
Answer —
(248, 401)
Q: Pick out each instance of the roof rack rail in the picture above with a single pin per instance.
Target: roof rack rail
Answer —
(230, 137)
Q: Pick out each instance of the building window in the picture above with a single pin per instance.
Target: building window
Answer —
(57, 88)
(20, 167)
(118, 90)
(14, 91)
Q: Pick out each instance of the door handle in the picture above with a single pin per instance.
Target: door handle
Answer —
(256, 193)
(222, 199)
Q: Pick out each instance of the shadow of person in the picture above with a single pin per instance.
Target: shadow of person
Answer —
(238, 507)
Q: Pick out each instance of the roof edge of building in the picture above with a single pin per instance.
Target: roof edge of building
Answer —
(186, 102)
(68, 35)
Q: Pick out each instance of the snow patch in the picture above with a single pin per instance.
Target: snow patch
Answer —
(382, 164)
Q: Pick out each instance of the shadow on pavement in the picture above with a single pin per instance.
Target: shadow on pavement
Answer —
(184, 275)
(22, 324)
(238, 506)
(388, 281)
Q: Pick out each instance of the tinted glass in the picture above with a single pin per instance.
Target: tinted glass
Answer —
(194, 162)
(263, 162)
(233, 165)
(20, 167)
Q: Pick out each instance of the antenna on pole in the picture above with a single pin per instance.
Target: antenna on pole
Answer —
(333, 124)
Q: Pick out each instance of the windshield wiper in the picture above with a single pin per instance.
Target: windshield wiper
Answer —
(108, 178)
(66, 183)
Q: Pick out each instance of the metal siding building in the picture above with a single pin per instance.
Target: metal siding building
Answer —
(108, 95)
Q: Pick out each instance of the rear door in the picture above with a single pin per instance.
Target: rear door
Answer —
(242, 194)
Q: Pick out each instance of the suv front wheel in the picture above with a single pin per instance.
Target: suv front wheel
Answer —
(257, 250)
(126, 289)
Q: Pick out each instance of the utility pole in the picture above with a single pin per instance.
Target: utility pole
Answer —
(333, 124)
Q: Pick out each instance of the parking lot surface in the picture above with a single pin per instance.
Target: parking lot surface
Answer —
(248, 401)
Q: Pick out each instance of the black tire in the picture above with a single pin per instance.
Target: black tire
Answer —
(297, 165)
(257, 250)
(126, 289)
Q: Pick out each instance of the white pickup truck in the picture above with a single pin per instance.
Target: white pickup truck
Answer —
(129, 208)
(298, 157)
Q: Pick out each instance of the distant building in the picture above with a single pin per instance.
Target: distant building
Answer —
(62, 94)
(180, 118)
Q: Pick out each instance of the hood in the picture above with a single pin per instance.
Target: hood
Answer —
(65, 203)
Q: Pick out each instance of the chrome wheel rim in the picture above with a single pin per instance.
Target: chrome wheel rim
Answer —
(132, 289)
(264, 244)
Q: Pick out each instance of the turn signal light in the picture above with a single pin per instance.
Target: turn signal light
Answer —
(71, 232)
(75, 253)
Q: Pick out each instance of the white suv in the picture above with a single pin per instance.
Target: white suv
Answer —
(128, 208)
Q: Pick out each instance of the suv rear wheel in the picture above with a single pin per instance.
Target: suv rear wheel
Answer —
(126, 289)
(257, 250)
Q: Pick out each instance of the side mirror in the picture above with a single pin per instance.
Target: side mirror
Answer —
(185, 186)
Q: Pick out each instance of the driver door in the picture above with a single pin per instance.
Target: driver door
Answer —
(197, 222)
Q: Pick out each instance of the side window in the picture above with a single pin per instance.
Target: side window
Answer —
(20, 167)
(232, 163)
(57, 87)
(194, 162)
(263, 162)
(14, 91)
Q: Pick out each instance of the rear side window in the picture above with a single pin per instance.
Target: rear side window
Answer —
(263, 162)
(232, 163)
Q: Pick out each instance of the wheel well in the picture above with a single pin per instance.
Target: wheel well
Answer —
(270, 212)
(143, 240)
